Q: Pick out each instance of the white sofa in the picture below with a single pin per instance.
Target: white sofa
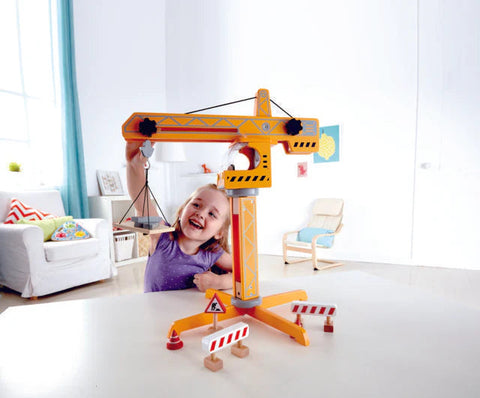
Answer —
(35, 268)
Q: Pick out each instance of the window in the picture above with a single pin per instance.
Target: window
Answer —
(30, 123)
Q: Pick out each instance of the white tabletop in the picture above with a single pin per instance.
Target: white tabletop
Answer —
(389, 341)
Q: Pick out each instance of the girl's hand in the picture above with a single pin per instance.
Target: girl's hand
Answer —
(133, 153)
(209, 280)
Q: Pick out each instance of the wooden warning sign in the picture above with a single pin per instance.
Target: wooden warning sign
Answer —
(215, 306)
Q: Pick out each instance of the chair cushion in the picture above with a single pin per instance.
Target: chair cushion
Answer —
(328, 207)
(48, 226)
(49, 201)
(69, 250)
(307, 234)
(325, 222)
(20, 210)
(70, 230)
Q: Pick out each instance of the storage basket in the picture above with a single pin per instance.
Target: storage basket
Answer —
(124, 244)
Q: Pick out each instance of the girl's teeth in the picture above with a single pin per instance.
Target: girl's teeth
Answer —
(195, 225)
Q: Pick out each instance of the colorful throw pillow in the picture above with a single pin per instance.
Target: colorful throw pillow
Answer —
(307, 234)
(19, 210)
(70, 231)
(48, 225)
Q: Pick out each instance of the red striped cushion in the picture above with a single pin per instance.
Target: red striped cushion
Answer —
(19, 210)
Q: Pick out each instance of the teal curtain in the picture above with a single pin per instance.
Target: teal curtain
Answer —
(74, 188)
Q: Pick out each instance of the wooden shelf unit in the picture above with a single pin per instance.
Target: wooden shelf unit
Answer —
(112, 209)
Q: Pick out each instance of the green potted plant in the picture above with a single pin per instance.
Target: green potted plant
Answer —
(15, 167)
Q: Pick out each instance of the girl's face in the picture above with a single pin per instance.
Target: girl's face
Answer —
(204, 215)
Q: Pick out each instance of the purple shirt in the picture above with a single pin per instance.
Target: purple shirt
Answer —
(168, 268)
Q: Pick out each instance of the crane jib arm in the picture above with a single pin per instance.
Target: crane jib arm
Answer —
(257, 132)
(213, 128)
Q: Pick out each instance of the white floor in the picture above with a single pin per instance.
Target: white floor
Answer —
(400, 332)
(459, 285)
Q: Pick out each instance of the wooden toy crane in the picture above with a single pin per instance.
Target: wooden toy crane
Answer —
(257, 133)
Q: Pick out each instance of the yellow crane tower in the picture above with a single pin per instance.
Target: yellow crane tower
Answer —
(257, 133)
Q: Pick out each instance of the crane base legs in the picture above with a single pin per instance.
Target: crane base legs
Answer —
(260, 312)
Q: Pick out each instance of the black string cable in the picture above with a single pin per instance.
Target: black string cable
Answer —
(131, 205)
(146, 195)
(235, 102)
(147, 189)
(278, 106)
(159, 208)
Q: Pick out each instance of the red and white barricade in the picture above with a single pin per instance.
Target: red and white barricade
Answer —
(306, 308)
(225, 337)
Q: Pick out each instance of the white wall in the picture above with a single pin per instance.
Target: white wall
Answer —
(120, 65)
(350, 63)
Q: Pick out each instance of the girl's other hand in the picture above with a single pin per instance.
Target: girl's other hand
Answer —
(207, 280)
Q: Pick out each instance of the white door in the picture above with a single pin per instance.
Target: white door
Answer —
(447, 190)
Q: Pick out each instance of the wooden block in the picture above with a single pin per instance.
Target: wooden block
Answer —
(328, 326)
(240, 351)
(213, 363)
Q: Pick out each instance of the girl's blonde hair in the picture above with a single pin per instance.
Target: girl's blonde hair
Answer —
(212, 244)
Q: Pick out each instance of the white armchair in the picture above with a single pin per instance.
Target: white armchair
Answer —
(325, 223)
(35, 268)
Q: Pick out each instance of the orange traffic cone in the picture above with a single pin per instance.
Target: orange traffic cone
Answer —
(174, 343)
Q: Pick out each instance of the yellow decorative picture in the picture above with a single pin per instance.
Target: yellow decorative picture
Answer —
(328, 150)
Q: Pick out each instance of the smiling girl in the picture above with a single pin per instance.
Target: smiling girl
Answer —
(183, 258)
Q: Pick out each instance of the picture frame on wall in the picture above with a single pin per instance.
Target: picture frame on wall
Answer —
(302, 169)
(110, 183)
(329, 145)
